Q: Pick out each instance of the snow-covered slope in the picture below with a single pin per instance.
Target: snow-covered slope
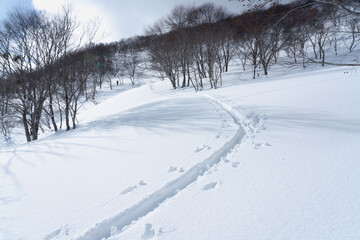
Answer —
(275, 158)
(296, 178)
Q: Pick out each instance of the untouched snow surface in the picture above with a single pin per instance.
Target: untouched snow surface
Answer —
(275, 158)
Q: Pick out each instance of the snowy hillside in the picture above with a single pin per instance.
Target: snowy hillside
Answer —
(273, 158)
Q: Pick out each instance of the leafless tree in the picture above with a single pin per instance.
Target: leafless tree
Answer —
(295, 39)
(164, 57)
(7, 118)
(27, 46)
(32, 44)
(130, 61)
(228, 45)
(189, 45)
(348, 6)
(352, 27)
(75, 70)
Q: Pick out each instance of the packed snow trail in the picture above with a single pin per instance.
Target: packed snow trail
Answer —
(149, 204)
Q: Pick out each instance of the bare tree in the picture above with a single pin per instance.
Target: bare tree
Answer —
(33, 43)
(295, 38)
(164, 57)
(353, 28)
(7, 118)
(130, 63)
(189, 45)
(348, 6)
(60, 38)
(75, 70)
(248, 41)
(27, 47)
(228, 45)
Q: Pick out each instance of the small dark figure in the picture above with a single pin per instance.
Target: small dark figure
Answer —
(117, 82)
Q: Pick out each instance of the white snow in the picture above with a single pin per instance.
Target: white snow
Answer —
(272, 158)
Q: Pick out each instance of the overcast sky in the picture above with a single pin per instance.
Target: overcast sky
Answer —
(119, 18)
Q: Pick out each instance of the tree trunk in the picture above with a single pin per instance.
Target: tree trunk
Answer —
(26, 127)
(67, 113)
(265, 67)
(52, 115)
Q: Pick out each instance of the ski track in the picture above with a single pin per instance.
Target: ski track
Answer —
(150, 203)
(250, 124)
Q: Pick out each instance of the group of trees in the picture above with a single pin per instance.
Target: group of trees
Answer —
(48, 70)
(32, 45)
(348, 6)
(198, 42)
(191, 44)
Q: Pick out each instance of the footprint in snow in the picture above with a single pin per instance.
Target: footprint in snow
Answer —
(129, 189)
(209, 186)
(235, 164)
(250, 115)
(258, 145)
(172, 169)
(163, 231)
(199, 149)
(142, 183)
(181, 170)
(256, 119)
(63, 231)
(149, 232)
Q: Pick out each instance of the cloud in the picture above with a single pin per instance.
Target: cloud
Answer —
(125, 18)
(51, 6)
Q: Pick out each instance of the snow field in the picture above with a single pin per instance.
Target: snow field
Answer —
(271, 158)
(296, 177)
(107, 164)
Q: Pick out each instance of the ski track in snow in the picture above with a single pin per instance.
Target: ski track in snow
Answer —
(246, 129)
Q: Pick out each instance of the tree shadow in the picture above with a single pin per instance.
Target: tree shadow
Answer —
(177, 115)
